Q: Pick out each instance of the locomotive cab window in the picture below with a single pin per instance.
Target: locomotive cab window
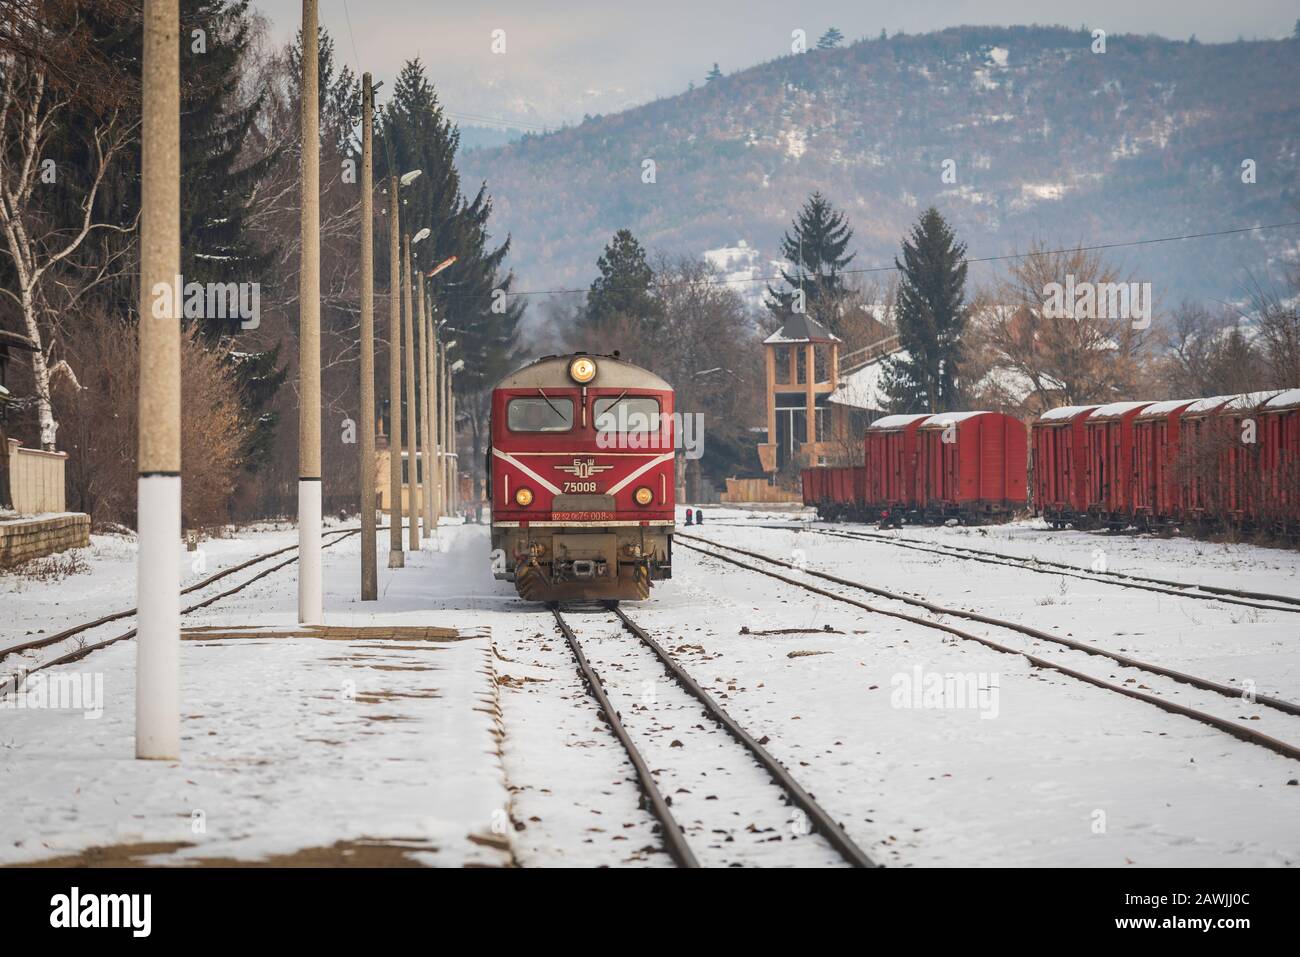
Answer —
(540, 414)
(633, 413)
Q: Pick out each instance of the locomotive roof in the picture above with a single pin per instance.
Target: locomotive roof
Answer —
(611, 373)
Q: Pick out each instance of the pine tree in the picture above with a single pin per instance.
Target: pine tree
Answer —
(931, 315)
(472, 295)
(821, 234)
(217, 181)
(830, 39)
(623, 287)
(714, 74)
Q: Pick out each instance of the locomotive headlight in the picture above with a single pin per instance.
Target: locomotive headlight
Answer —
(643, 496)
(524, 497)
(582, 370)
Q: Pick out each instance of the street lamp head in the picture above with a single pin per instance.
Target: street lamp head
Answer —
(409, 178)
(441, 266)
(421, 235)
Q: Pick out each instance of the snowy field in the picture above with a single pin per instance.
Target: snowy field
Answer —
(470, 752)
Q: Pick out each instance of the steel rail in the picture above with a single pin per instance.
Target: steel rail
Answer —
(119, 615)
(1220, 593)
(1238, 731)
(9, 682)
(822, 822)
(1205, 684)
(674, 837)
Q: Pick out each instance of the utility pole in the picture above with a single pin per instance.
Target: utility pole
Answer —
(157, 685)
(426, 460)
(369, 572)
(395, 557)
(435, 405)
(408, 332)
(421, 445)
(449, 465)
(309, 477)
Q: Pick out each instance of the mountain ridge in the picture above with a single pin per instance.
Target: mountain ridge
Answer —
(1046, 139)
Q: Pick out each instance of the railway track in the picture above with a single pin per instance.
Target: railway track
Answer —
(1242, 732)
(1231, 596)
(717, 812)
(7, 681)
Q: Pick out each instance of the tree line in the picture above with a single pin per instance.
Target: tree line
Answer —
(69, 167)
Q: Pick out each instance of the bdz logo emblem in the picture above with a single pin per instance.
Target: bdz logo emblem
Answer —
(584, 469)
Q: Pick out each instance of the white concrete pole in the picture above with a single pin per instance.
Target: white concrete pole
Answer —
(366, 469)
(426, 403)
(396, 559)
(421, 434)
(309, 470)
(157, 681)
(435, 406)
(408, 333)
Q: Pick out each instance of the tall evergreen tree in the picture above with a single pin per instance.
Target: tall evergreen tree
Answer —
(931, 314)
(623, 286)
(817, 247)
(473, 294)
(714, 74)
(830, 39)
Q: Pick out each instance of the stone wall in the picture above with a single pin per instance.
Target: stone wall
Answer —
(23, 539)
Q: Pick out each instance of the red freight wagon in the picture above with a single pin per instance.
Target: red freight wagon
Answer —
(1202, 436)
(843, 494)
(1280, 441)
(835, 491)
(1108, 443)
(970, 466)
(814, 487)
(1243, 471)
(1060, 468)
(1157, 491)
(890, 455)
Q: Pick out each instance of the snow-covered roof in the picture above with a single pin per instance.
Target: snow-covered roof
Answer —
(801, 328)
(897, 421)
(942, 420)
(1116, 409)
(1208, 404)
(1064, 412)
(1015, 384)
(1158, 410)
(1286, 400)
(862, 389)
(1249, 400)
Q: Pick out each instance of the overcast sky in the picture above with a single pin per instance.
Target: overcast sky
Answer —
(567, 57)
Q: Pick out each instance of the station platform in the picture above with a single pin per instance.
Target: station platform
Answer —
(365, 745)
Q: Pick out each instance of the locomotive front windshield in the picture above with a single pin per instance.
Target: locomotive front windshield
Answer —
(627, 414)
(542, 414)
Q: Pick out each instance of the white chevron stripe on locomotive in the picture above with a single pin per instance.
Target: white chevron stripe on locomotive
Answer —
(657, 460)
(507, 457)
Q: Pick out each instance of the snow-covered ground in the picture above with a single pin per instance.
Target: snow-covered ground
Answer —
(1035, 769)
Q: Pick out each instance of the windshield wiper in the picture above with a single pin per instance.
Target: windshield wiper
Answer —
(557, 412)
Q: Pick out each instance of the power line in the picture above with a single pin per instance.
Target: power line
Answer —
(968, 260)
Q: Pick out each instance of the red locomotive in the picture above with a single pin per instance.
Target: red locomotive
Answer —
(581, 479)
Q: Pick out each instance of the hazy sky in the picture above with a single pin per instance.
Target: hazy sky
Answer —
(567, 57)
